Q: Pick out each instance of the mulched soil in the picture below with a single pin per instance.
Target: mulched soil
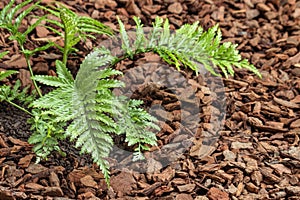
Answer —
(257, 154)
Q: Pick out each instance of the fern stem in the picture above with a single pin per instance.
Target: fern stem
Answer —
(31, 71)
(65, 53)
(19, 107)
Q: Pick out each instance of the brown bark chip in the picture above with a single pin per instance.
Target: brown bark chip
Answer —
(175, 8)
(216, 194)
(123, 183)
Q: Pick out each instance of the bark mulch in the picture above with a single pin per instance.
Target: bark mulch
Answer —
(257, 154)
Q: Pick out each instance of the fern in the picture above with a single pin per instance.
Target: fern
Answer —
(91, 108)
(46, 133)
(75, 27)
(187, 47)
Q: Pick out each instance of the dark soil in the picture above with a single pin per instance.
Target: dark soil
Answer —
(254, 156)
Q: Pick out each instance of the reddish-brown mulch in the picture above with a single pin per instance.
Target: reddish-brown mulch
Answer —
(257, 155)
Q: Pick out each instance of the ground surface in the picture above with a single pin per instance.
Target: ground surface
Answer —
(257, 154)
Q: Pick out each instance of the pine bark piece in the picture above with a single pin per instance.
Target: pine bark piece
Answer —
(217, 194)
(175, 8)
(285, 103)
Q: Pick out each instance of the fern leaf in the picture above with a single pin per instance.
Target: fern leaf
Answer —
(155, 33)
(33, 26)
(5, 74)
(165, 36)
(91, 127)
(50, 80)
(4, 12)
(63, 72)
(125, 39)
(23, 14)
(2, 54)
(139, 42)
(135, 124)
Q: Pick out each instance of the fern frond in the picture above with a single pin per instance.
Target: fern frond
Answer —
(46, 133)
(155, 33)
(92, 127)
(4, 13)
(22, 15)
(7, 15)
(187, 47)
(135, 124)
(16, 93)
(75, 27)
(91, 109)
(86, 103)
(166, 35)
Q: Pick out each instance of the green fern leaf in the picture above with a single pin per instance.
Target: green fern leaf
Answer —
(7, 73)
(139, 42)
(63, 72)
(7, 15)
(125, 39)
(4, 13)
(22, 15)
(50, 80)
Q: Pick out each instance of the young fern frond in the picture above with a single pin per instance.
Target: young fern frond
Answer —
(187, 47)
